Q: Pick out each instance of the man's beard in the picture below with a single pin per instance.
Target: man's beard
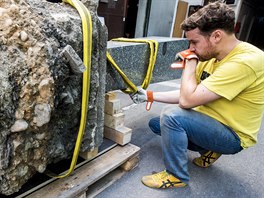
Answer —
(207, 56)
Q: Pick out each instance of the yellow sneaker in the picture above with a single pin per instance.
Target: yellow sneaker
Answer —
(162, 180)
(206, 159)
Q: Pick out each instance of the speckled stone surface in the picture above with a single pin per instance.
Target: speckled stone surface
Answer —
(133, 60)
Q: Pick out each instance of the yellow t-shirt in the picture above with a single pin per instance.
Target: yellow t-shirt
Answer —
(239, 79)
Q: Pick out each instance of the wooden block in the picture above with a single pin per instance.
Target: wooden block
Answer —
(121, 135)
(112, 107)
(131, 163)
(114, 121)
(110, 96)
(87, 155)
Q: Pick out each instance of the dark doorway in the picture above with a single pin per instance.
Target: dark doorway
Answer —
(257, 30)
(131, 19)
(250, 23)
(120, 17)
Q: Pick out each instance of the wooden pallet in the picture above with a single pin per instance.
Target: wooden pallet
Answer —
(78, 183)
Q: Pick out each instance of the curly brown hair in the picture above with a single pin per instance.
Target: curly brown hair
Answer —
(213, 16)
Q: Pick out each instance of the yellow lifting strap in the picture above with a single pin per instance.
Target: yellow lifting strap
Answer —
(153, 45)
(87, 51)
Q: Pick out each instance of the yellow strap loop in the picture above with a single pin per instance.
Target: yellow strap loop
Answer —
(130, 85)
(87, 50)
(153, 45)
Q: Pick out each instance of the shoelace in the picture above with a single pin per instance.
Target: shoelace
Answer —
(207, 158)
(162, 175)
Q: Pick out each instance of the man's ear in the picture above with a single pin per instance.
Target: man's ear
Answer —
(216, 36)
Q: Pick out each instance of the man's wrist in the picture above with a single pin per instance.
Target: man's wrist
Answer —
(191, 63)
(150, 96)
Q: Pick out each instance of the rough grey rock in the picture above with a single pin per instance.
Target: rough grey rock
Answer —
(40, 97)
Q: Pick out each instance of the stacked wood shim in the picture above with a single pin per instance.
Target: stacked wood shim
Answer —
(114, 128)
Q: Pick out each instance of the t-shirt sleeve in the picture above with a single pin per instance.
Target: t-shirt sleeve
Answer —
(229, 79)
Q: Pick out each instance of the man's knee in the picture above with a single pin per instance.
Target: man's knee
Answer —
(168, 113)
(154, 125)
(176, 116)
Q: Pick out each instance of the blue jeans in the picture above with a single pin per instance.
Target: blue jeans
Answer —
(182, 129)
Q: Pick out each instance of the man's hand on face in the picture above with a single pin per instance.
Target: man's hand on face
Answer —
(182, 57)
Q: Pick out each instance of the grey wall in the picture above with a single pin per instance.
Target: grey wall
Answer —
(160, 19)
(142, 4)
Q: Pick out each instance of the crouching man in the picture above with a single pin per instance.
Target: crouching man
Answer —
(220, 102)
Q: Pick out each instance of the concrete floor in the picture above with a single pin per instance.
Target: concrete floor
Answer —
(232, 176)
